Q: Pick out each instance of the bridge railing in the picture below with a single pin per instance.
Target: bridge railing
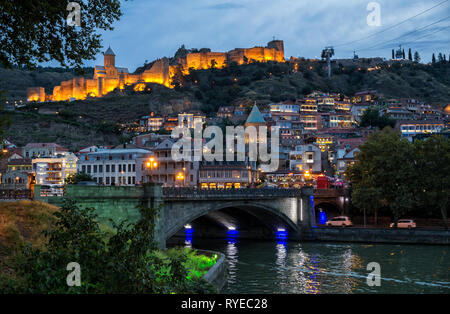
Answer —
(250, 193)
(329, 192)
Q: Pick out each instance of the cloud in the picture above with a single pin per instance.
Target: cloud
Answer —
(225, 6)
(157, 28)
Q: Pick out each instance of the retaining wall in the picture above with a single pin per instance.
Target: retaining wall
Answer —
(413, 236)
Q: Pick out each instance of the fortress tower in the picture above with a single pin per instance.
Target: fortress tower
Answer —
(109, 58)
(276, 44)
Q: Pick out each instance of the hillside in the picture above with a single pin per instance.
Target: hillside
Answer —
(94, 121)
(15, 82)
(22, 223)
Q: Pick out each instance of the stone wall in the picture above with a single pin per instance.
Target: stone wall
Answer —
(370, 235)
(216, 275)
(35, 94)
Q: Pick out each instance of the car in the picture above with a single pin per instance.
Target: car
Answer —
(405, 223)
(340, 221)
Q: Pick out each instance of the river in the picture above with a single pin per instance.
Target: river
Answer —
(314, 267)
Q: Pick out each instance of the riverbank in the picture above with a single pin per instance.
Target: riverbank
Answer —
(217, 274)
(378, 235)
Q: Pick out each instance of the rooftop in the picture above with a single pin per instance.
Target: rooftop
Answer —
(255, 116)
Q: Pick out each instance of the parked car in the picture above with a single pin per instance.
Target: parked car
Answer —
(405, 223)
(341, 221)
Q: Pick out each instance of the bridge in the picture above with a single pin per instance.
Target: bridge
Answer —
(263, 211)
(333, 201)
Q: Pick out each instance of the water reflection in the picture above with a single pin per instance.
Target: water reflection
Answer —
(312, 284)
(232, 259)
(189, 234)
(289, 267)
(348, 265)
(280, 263)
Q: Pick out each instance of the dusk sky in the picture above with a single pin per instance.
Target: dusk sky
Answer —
(153, 29)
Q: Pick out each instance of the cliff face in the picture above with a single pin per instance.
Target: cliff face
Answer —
(109, 77)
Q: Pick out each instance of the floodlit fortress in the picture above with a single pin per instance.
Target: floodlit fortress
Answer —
(109, 77)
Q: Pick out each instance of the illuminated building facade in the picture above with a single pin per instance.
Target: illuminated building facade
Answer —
(54, 170)
(110, 77)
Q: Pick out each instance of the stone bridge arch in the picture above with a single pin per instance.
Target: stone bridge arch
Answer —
(182, 205)
(172, 226)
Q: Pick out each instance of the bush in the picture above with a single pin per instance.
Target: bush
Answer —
(126, 262)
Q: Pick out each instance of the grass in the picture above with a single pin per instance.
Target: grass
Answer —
(22, 223)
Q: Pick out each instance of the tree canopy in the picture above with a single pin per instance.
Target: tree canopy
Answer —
(32, 32)
(371, 117)
(392, 172)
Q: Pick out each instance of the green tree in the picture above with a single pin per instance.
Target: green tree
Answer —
(410, 55)
(74, 178)
(433, 59)
(365, 196)
(371, 117)
(36, 31)
(433, 167)
(384, 169)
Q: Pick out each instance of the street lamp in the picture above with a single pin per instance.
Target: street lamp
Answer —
(151, 164)
(180, 177)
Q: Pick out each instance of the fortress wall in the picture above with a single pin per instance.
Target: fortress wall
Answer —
(110, 84)
(35, 94)
(158, 73)
(202, 60)
(92, 87)
(132, 79)
(261, 54)
(236, 55)
(66, 91)
(79, 88)
(56, 93)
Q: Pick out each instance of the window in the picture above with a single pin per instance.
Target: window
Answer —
(113, 168)
(120, 168)
(107, 168)
(100, 168)
(89, 169)
(83, 168)
(95, 168)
